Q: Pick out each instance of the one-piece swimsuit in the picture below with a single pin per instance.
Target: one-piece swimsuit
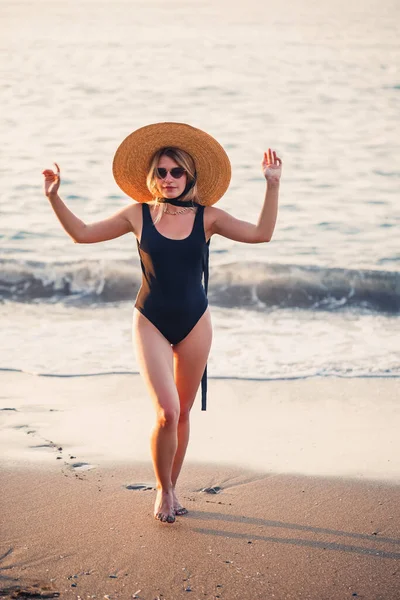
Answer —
(172, 295)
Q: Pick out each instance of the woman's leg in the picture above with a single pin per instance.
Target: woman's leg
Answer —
(190, 358)
(155, 358)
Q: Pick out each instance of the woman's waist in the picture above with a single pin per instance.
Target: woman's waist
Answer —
(169, 283)
(172, 299)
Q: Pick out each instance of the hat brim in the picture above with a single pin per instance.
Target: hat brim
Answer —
(133, 158)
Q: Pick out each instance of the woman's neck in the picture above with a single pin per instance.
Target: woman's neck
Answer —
(176, 202)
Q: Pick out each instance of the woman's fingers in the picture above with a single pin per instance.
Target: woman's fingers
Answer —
(48, 173)
(271, 165)
(271, 159)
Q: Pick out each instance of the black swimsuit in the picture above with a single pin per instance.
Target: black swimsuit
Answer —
(172, 296)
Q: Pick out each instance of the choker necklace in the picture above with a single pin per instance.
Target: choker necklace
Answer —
(176, 202)
(181, 204)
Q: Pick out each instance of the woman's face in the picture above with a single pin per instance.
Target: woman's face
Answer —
(168, 186)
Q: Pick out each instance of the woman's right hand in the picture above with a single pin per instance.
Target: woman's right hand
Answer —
(51, 181)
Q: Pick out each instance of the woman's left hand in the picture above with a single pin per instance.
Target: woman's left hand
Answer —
(271, 166)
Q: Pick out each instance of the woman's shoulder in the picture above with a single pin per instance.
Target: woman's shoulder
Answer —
(211, 215)
(212, 212)
(133, 214)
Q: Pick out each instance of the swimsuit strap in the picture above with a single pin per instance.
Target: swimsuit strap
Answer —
(146, 216)
(206, 254)
(146, 222)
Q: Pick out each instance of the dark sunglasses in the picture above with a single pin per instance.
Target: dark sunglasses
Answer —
(176, 172)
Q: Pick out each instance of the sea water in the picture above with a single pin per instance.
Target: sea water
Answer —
(318, 82)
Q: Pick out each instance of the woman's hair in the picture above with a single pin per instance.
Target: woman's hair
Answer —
(182, 159)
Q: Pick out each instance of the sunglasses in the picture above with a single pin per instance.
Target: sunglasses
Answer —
(176, 172)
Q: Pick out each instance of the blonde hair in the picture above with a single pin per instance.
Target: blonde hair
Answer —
(182, 159)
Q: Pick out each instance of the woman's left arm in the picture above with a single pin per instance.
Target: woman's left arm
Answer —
(242, 231)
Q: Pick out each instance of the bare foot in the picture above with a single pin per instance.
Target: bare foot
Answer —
(163, 508)
(178, 508)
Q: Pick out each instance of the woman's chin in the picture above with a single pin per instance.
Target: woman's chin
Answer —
(170, 193)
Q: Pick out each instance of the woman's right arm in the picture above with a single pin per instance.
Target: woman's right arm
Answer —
(124, 221)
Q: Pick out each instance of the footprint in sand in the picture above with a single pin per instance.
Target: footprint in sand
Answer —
(212, 490)
(51, 446)
(30, 431)
(142, 487)
(82, 466)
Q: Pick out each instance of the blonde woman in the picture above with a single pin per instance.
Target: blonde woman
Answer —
(175, 173)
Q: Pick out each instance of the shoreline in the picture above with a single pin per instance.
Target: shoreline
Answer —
(313, 427)
(215, 377)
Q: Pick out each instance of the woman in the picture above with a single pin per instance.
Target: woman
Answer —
(175, 173)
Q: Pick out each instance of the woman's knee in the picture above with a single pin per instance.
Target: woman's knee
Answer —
(185, 408)
(168, 416)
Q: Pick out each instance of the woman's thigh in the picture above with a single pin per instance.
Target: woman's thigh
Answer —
(155, 359)
(190, 359)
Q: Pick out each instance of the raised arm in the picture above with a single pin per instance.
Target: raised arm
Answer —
(224, 224)
(123, 221)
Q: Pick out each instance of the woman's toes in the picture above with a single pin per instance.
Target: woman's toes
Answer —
(171, 519)
(181, 511)
(165, 518)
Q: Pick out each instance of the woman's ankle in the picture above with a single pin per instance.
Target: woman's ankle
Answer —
(164, 489)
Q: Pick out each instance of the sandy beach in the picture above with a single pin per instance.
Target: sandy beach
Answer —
(292, 489)
(292, 475)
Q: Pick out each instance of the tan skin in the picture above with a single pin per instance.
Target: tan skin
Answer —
(172, 374)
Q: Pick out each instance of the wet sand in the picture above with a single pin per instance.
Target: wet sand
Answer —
(292, 487)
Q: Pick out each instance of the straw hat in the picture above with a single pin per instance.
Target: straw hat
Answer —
(133, 157)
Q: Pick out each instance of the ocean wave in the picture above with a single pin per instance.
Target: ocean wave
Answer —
(238, 284)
